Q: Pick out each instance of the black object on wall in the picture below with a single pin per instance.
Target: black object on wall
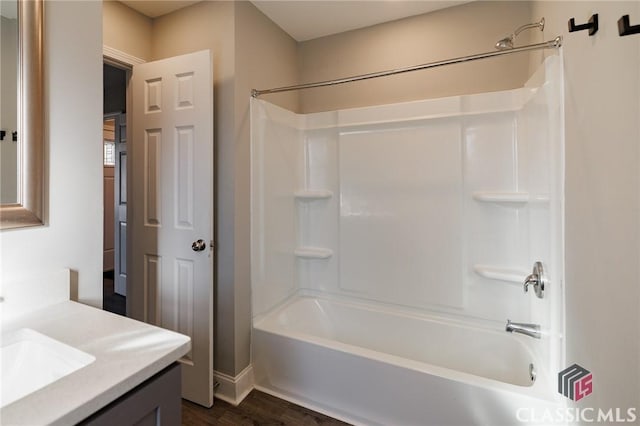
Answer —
(591, 25)
(625, 28)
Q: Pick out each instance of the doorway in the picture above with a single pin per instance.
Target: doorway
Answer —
(115, 194)
(168, 106)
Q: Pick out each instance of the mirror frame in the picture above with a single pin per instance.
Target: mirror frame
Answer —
(29, 209)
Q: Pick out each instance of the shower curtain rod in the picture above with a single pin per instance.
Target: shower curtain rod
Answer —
(551, 44)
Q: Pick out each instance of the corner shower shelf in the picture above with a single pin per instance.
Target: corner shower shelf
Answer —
(508, 197)
(308, 195)
(500, 273)
(313, 253)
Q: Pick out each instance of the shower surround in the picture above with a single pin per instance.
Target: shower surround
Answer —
(390, 245)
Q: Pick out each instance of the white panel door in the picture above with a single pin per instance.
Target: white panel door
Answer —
(171, 273)
(120, 206)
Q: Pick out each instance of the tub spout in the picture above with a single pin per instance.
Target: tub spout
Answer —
(531, 330)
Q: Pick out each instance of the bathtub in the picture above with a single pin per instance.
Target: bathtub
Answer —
(375, 366)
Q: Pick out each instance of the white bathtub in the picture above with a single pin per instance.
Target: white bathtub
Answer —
(374, 366)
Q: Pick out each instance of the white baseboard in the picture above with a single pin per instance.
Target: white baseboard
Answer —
(233, 389)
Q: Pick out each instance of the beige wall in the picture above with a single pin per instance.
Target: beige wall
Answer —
(265, 57)
(126, 30)
(244, 45)
(72, 237)
(448, 33)
(602, 111)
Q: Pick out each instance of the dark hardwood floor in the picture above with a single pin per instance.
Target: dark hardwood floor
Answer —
(257, 408)
(111, 301)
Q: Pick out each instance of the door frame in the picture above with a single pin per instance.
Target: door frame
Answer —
(124, 61)
(127, 62)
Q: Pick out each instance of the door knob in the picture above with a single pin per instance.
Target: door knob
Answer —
(198, 245)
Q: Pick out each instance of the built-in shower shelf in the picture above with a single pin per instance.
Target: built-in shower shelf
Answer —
(313, 253)
(500, 273)
(309, 195)
(508, 197)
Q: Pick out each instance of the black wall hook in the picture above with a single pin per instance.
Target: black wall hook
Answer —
(625, 29)
(14, 136)
(591, 25)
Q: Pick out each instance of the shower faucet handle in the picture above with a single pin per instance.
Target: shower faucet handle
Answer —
(537, 279)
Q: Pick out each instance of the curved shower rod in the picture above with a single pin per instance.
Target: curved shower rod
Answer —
(551, 44)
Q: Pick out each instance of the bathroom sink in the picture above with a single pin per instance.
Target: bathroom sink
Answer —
(31, 360)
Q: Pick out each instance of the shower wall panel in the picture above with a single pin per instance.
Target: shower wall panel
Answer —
(277, 172)
(441, 205)
(496, 211)
(401, 212)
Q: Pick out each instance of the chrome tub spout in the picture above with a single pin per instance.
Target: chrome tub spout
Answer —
(531, 330)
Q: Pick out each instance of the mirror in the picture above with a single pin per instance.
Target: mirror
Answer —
(9, 99)
(22, 114)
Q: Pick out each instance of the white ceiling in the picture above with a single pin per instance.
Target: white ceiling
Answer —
(155, 8)
(309, 19)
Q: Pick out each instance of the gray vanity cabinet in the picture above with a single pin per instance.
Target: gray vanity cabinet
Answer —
(155, 402)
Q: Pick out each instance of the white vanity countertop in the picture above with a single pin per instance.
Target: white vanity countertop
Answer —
(127, 353)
